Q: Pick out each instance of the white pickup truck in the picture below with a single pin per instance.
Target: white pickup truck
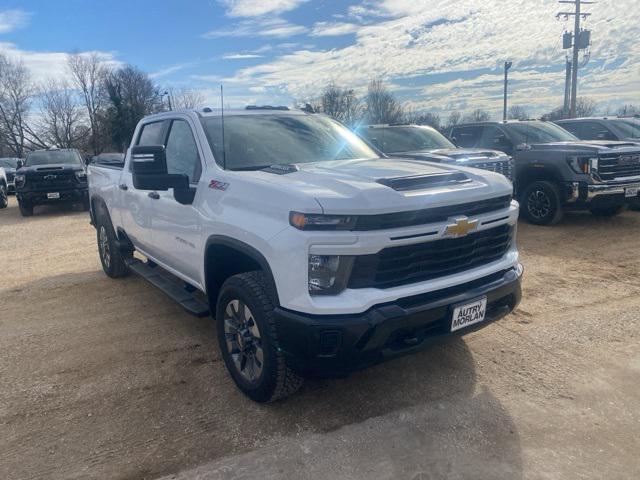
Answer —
(315, 256)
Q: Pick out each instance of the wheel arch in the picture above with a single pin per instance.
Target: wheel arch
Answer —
(227, 256)
(531, 174)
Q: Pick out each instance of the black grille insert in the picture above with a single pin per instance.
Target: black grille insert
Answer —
(418, 262)
(430, 215)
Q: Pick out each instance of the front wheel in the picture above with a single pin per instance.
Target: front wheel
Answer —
(26, 209)
(607, 211)
(4, 200)
(248, 341)
(541, 203)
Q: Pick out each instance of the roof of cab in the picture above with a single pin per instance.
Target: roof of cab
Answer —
(217, 112)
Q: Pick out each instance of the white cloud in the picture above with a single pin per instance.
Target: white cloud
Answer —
(330, 29)
(169, 70)
(256, 8)
(241, 56)
(262, 27)
(13, 19)
(45, 66)
(427, 42)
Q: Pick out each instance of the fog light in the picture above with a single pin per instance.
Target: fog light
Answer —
(328, 274)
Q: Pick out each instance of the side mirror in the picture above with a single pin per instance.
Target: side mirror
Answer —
(19, 164)
(149, 168)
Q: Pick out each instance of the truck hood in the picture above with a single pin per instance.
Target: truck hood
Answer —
(590, 146)
(458, 155)
(53, 168)
(387, 185)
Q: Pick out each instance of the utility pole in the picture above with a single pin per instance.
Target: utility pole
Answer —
(507, 66)
(567, 87)
(580, 42)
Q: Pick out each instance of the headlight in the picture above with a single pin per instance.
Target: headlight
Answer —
(81, 175)
(19, 180)
(328, 274)
(583, 164)
(314, 221)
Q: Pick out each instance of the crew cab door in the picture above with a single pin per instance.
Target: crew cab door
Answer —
(176, 226)
(136, 205)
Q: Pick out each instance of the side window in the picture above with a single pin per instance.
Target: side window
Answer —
(182, 151)
(596, 131)
(466, 136)
(493, 137)
(151, 134)
(572, 127)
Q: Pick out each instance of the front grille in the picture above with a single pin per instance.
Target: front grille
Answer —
(613, 167)
(407, 264)
(505, 167)
(59, 181)
(430, 215)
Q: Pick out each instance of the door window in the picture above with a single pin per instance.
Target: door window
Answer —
(596, 131)
(182, 151)
(573, 127)
(466, 136)
(493, 137)
(151, 134)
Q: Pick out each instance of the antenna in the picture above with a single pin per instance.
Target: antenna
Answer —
(224, 153)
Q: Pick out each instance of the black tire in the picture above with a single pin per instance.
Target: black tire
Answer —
(111, 257)
(541, 203)
(274, 379)
(611, 211)
(26, 209)
(4, 199)
(86, 205)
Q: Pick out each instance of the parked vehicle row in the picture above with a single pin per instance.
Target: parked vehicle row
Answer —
(555, 171)
(316, 255)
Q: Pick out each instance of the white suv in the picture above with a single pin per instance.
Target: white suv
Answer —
(315, 256)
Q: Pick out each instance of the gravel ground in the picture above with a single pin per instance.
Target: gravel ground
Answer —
(109, 379)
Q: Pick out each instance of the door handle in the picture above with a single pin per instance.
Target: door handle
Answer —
(154, 195)
(123, 186)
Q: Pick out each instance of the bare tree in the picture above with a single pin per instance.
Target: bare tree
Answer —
(478, 115)
(628, 110)
(16, 93)
(431, 119)
(381, 105)
(585, 107)
(185, 98)
(341, 104)
(454, 119)
(517, 112)
(88, 73)
(61, 117)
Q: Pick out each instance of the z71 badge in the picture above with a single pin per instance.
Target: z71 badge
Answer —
(217, 185)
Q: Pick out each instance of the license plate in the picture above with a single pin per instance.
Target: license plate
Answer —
(469, 314)
(53, 195)
(631, 192)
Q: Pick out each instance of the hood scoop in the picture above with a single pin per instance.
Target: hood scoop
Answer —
(422, 182)
(49, 169)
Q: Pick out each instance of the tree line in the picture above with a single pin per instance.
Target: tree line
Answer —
(95, 110)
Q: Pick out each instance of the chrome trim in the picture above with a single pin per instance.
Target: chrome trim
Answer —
(607, 189)
(575, 192)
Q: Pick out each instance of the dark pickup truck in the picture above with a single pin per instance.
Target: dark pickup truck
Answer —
(626, 129)
(51, 176)
(421, 142)
(555, 171)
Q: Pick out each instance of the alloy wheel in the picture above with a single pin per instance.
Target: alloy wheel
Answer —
(243, 339)
(105, 251)
(539, 204)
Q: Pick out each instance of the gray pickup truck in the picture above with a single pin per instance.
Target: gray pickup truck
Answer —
(421, 142)
(556, 172)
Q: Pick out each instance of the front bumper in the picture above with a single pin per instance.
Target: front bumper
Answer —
(41, 197)
(335, 345)
(582, 192)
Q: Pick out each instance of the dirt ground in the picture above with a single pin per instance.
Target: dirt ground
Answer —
(109, 379)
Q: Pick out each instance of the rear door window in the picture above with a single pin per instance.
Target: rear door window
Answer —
(596, 131)
(572, 127)
(467, 136)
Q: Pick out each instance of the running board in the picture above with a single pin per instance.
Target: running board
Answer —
(171, 288)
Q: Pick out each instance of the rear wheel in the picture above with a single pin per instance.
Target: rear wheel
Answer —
(111, 257)
(607, 211)
(26, 209)
(4, 200)
(248, 341)
(541, 203)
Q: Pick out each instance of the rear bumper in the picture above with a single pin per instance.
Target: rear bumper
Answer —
(41, 197)
(336, 345)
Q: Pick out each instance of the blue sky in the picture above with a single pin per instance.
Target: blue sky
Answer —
(437, 55)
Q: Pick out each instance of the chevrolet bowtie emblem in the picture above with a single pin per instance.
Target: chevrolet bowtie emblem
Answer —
(461, 228)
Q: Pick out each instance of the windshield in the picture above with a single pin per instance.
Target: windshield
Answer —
(52, 157)
(539, 132)
(406, 139)
(628, 128)
(253, 142)
(8, 162)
